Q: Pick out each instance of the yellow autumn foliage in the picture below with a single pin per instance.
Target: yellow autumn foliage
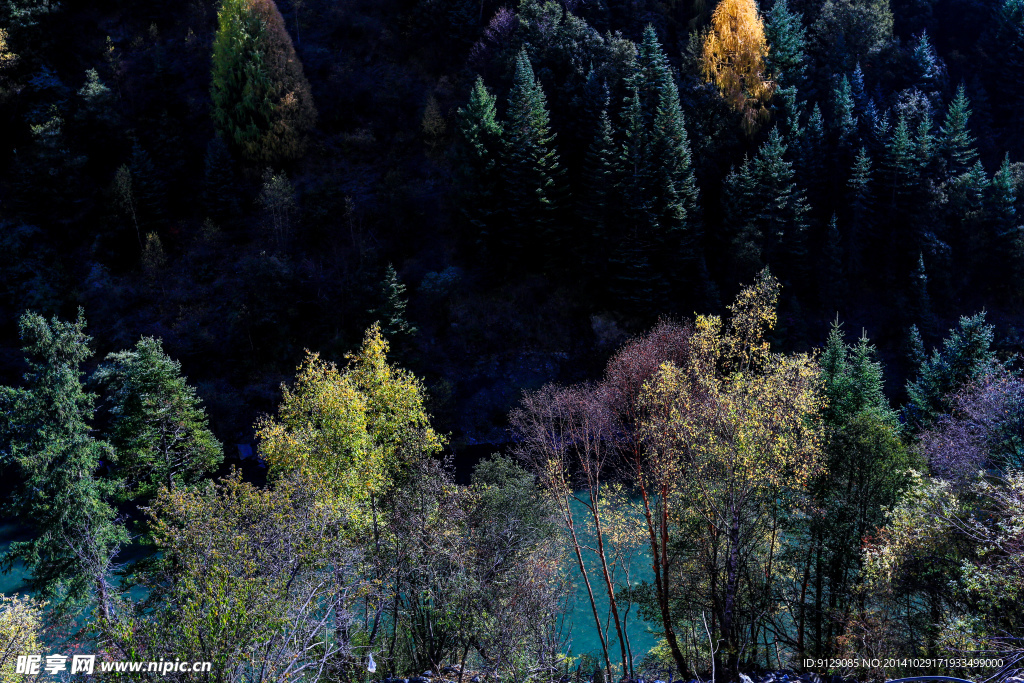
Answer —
(350, 428)
(733, 59)
(20, 627)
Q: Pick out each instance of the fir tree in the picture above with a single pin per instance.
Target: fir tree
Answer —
(660, 188)
(532, 174)
(925, 143)
(477, 153)
(261, 100)
(812, 153)
(770, 211)
(966, 355)
(51, 452)
(158, 427)
(901, 163)
(391, 312)
(955, 139)
(857, 89)
(931, 72)
(786, 38)
(602, 175)
(845, 119)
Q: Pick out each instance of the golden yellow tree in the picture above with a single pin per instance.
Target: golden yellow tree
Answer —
(734, 60)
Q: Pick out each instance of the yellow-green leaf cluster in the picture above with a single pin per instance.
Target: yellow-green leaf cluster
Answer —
(20, 628)
(351, 428)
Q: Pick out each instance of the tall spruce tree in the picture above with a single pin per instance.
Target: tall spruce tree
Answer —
(49, 450)
(533, 177)
(660, 188)
(786, 36)
(599, 205)
(965, 355)
(262, 103)
(844, 112)
(158, 427)
(901, 164)
(477, 153)
(780, 209)
(955, 140)
(866, 470)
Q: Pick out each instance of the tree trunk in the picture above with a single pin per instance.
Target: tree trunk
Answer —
(612, 602)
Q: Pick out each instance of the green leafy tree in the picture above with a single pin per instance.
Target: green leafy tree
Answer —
(353, 428)
(158, 427)
(261, 100)
(49, 449)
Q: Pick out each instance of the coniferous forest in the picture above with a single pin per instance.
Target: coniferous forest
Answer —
(426, 341)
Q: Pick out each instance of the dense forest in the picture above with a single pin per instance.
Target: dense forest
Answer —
(365, 339)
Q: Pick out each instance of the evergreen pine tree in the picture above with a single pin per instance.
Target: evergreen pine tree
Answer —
(901, 164)
(391, 312)
(955, 139)
(811, 156)
(477, 152)
(788, 115)
(778, 208)
(857, 89)
(1002, 204)
(925, 143)
(966, 355)
(786, 38)
(598, 201)
(262, 103)
(532, 174)
(51, 452)
(158, 427)
(1009, 235)
(845, 118)
(931, 72)
(660, 189)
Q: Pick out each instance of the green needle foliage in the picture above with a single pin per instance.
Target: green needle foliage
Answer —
(158, 427)
(49, 447)
(261, 99)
